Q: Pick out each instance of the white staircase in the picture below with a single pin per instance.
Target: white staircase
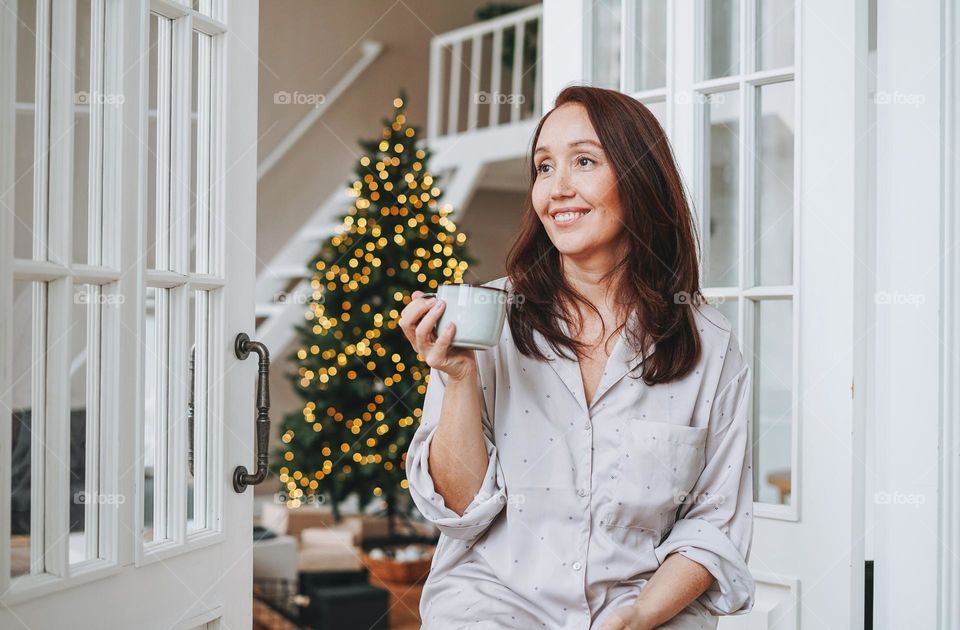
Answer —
(460, 152)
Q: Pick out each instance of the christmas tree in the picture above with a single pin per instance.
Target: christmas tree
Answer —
(361, 382)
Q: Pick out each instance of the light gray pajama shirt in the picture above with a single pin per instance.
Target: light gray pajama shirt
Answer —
(581, 503)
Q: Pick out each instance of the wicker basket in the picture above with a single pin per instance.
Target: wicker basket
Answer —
(390, 570)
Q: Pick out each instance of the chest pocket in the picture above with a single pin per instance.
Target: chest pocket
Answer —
(657, 467)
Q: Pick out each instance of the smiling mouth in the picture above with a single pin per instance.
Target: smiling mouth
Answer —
(564, 219)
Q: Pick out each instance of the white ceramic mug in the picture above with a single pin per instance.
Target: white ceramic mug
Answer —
(478, 313)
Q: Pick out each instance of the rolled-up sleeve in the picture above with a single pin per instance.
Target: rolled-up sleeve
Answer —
(715, 522)
(489, 500)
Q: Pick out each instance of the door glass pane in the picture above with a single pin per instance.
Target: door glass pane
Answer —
(200, 152)
(84, 98)
(774, 177)
(203, 6)
(84, 413)
(25, 397)
(151, 256)
(158, 142)
(728, 307)
(659, 110)
(774, 34)
(24, 139)
(197, 410)
(156, 320)
(721, 225)
(650, 35)
(722, 45)
(605, 44)
(773, 395)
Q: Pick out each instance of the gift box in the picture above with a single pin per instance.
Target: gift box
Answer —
(283, 520)
(357, 605)
(325, 558)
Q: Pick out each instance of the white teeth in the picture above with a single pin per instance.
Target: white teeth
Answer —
(567, 217)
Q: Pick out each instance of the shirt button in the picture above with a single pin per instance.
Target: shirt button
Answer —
(582, 492)
(576, 566)
(586, 426)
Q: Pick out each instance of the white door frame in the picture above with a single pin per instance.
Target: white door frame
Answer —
(914, 477)
(808, 557)
(190, 578)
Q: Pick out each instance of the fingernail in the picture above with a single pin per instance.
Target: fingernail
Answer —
(437, 304)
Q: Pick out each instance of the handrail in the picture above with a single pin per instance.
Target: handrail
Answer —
(371, 50)
(517, 93)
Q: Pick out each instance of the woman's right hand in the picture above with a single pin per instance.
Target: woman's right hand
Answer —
(417, 321)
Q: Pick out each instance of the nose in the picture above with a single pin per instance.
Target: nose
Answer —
(560, 186)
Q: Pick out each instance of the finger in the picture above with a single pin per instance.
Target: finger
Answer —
(411, 314)
(441, 346)
(425, 327)
(414, 294)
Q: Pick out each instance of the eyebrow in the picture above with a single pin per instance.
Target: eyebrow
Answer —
(542, 149)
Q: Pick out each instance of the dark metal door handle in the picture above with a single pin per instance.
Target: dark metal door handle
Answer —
(243, 346)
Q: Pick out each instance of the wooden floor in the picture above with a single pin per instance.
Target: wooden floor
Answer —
(404, 603)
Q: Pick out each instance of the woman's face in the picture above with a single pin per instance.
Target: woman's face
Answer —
(573, 175)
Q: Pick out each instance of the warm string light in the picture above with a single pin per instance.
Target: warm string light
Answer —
(395, 217)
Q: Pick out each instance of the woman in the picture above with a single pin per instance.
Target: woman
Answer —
(576, 481)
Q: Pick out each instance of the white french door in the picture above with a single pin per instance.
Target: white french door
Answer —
(127, 183)
(765, 104)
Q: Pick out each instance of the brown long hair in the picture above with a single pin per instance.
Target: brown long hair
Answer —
(658, 280)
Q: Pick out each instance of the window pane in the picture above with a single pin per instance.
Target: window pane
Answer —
(84, 98)
(24, 139)
(26, 400)
(200, 152)
(203, 6)
(728, 306)
(774, 34)
(151, 254)
(774, 176)
(197, 411)
(85, 497)
(773, 378)
(722, 30)
(721, 225)
(650, 36)
(659, 110)
(156, 319)
(158, 142)
(605, 44)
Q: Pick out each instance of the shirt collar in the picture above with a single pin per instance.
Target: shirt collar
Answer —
(622, 360)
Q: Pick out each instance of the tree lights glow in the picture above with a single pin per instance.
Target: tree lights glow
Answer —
(361, 382)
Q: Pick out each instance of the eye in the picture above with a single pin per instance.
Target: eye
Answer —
(585, 158)
(541, 167)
